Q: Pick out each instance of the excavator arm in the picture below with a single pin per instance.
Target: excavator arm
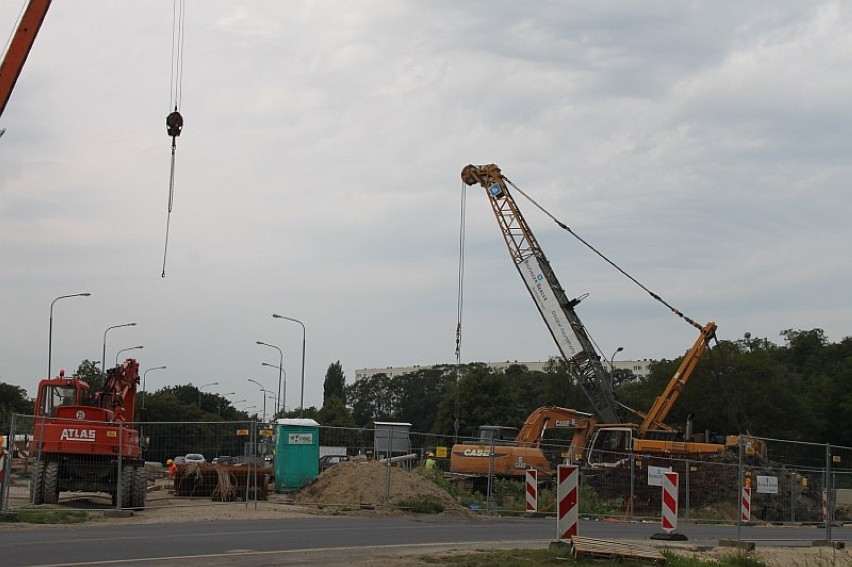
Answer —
(119, 391)
(19, 48)
(550, 299)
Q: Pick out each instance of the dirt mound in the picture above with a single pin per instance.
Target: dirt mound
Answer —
(366, 482)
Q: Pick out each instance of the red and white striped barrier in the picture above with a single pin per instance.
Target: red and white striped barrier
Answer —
(745, 504)
(825, 506)
(532, 490)
(567, 501)
(670, 482)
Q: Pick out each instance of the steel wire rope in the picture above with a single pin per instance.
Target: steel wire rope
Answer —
(460, 308)
(607, 260)
(174, 121)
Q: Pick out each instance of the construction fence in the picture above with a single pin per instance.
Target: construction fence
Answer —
(790, 483)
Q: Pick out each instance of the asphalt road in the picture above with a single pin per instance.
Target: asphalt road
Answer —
(332, 540)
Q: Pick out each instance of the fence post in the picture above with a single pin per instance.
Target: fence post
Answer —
(490, 475)
(119, 489)
(740, 480)
(686, 491)
(388, 464)
(827, 500)
(6, 466)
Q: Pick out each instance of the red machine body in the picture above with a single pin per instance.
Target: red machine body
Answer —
(86, 441)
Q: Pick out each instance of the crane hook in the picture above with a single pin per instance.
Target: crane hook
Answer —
(174, 123)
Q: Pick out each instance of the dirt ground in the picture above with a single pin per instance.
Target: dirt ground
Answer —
(361, 488)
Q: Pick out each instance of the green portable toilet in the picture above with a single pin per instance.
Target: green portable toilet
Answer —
(297, 453)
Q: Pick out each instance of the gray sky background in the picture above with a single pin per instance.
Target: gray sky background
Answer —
(702, 146)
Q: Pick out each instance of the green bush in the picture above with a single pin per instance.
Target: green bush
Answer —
(422, 506)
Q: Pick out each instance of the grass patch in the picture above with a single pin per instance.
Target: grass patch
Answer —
(48, 515)
(422, 506)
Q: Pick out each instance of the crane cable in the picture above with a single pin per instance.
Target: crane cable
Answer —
(174, 121)
(607, 260)
(459, 307)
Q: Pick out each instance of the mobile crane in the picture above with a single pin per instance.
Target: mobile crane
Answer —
(611, 436)
(86, 441)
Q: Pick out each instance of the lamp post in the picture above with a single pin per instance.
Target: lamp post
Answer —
(304, 333)
(145, 375)
(280, 370)
(265, 391)
(611, 358)
(125, 350)
(201, 388)
(284, 395)
(612, 366)
(50, 328)
(103, 352)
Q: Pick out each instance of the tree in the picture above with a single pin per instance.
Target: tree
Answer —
(334, 414)
(13, 399)
(334, 384)
(91, 374)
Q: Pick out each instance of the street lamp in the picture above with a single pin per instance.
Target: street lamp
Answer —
(304, 333)
(145, 375)
(284, 396)
(265, 391)
(103, 352)
(125, 350)
(280, 364)
(201, 388)
(50, 329)
(611, 358)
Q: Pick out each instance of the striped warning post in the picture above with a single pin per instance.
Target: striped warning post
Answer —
(670, 481)
(825, 506)
(567, 501)
(532, 490)
(745, 505)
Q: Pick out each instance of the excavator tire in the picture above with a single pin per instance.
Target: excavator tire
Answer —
(37, 483)
(126, 487)
(50, 486)
(140, 488)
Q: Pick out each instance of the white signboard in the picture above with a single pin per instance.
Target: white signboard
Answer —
(549, 307)
(300, 438)
(767, 484)
(655, 475)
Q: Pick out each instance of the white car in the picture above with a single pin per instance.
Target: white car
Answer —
(194, 458)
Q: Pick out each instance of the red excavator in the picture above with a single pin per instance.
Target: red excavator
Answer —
(86, 442)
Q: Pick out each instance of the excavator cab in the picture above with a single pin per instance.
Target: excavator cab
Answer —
(498, 434)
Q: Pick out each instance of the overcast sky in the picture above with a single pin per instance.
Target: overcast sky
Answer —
(703, 146)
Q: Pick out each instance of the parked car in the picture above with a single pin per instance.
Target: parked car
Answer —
(328, 461)
(179, 460)
(223, 460)
(194, 458)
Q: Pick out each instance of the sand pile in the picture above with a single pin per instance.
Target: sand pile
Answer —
(366, 483)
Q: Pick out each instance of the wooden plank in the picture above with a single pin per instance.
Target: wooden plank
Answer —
(584, 547)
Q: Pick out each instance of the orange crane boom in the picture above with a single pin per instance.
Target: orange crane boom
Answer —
(19, 48)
